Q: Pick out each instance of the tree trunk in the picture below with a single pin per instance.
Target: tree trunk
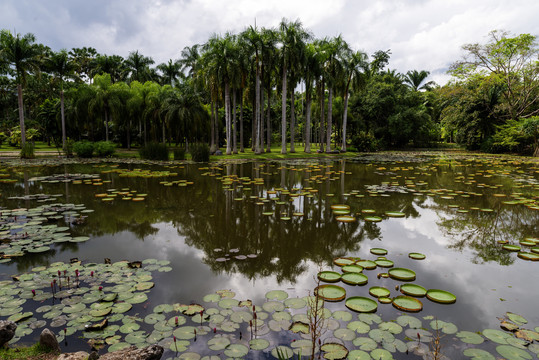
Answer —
(212, 129)
(261, 129)
(322, 127)
(216, 126)
(292, 121)
(308, 121)
(21, 115)
(257, 108)
(242, 149)
(234, 124)
(227, 119)
(163, 134)
(283, 112)
(63, 120)
(268, 127)
(330, 108)
(129, 135)
(344, 121)
(107, 127)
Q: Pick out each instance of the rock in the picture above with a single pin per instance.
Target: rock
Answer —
(93, 356)
(7, 331)
(81, 355)
(152, 352)
(218, 152)
(48, 339)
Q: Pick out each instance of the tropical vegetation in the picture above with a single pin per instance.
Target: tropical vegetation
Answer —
(266, 86)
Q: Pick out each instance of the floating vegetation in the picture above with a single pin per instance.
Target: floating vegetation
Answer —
(441, 296)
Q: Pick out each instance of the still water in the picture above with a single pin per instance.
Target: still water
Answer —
(203, 217)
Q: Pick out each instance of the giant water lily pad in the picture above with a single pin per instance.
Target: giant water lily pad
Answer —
(331, 292)
(413, 290)
(407, 303)
(276, 295)
(354, 279)
(361, 304)
(379, 291)
(401, 274)
(441, 296)
(329, 276)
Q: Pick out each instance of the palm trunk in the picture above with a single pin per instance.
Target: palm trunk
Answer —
(344, 120)
(212, 129)
(234, 124)
(129, 135)
(308, 120)
(163, 134)
(242, 149)
(257, 107)
(292, 121)
(21, 115)
(261, 130)
(283, 112)
(227, 119)
(107, 127)
(330, 108)
(63, 120)
(268, 127)
(322, 127)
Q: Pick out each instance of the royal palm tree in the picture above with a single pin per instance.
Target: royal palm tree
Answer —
(106, 100)
(415, 78)
(62, 67)
(84, 60)
(171, 72)
(138, 66)
(312, 70)
(112, 65)
(21, 56)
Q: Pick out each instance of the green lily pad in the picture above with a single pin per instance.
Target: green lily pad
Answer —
(378, 291)
(510, 247)
(184, 332)
(218, 342)
(416, 256)
(407, 303)
(299, 327)
(329, 276)
(397, 214)
(352, 268)
(413, 290)
(390, 326)
(384, 263)
(512, 353)
(354, 279)
(282, 352)
(295, 303)
(343, 261)
(365, 343)
(276, 295)
(441, 296)
(358, 355)
(445, 327)
(367, 264)
(344, 334)
(361, 304)
(478, 354)
(342, 315)
(330, 292)
(381, 354)
(359, 326)
(401, 274)
(497, 336)
(469, 337)
(259, 344)
(334, 351)
(378, 251)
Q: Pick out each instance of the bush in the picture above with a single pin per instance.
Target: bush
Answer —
(179, 154)
(200, 152)
(27, 151)
(365, 141)
(154, 151)
(69, 147)
(104, 148)
(83, 149)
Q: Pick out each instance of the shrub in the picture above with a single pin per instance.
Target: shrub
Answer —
(200, 152)
(154, 151)
(365, 141)
(69, 147)
(104, 148)
(27, 151)
(179, 154)
(83, 149)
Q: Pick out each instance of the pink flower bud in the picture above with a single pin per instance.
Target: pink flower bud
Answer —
(101, 288)
(33, 292)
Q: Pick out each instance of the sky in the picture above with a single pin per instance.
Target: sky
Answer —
(421, 34)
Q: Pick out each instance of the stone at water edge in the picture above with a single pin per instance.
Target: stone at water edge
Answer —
(81, 355)
(48, 339)
(152, 352)
(7, 331)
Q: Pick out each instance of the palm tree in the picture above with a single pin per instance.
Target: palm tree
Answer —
(21, 56)
(415, 78)
(138, 66)
(293, 38)
(312, 70)
(269, 53)
(171, 72)
(106, 100)
(61, 66)
(112, 65)
(84, 60)
(354, 63)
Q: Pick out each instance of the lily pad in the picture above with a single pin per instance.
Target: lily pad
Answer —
(361, 304)
(378, 291)
(441, 296)
(331, 292)
(401, 274)
(469, 337)
(329, 276)
(354, 279)
(378, 251)
(413, 290)
(334, 351)
(416, 256)
(478, 354)
(407, 303)
(512, 353)
(276, 295)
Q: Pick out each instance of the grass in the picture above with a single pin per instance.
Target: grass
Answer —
(34, 352)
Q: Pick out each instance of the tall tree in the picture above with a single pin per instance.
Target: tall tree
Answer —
(171, 72)
(62, 67)
(416, 80)
(138, 66)
(84, 60)
(21, 55)
(112, 65)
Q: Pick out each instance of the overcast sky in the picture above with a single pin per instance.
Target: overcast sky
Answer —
(422, 34)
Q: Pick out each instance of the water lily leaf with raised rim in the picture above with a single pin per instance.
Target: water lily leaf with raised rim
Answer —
(402, 274)
(276, 295)
(407, 303)
(441, 296)
(330, 292)
(354, 279)
(329, 276)
(361, 304)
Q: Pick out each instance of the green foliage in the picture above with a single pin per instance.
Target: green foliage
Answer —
(179, 154)
(154, 151)
(520, 136)
(104, 148)
(84, 149)
(200, 152)
(23, 352)
(27, 151)
(365, 141)
(3, 137)
(69, 147)
(15, 136)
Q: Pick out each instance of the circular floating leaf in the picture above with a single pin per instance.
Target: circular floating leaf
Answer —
(384, 263)
(416, 256)
(343, 261)
(381, 354)
(344, 334)
(342, 315)
(407, 303)
(367, 264)
(354, 279)
(469, 337)
(334, 351)
(329, 276)
(331, 292)
(512, 353)
(378, 251)
(395, 214)
(352, 268)
(212, 298)
(359, 326)
(271, 306)
(372, 218)
(413, 290)
(219, 342)
(365, 343)
(259, 344)
(185, 332)
(345, 219)
(282, 352)
(478, 354)
(378, 291)
(361, 304)
(276, 295)
(401, 274)
(516, 318)
(528, 256)
(446, 327)
(441, 296)
(497, 336)
(295, 303)
(299, 327)
(358, 355)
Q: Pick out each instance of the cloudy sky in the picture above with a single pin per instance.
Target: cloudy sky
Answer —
(422, 34)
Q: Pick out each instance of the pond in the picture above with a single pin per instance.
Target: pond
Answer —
(218, 260)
